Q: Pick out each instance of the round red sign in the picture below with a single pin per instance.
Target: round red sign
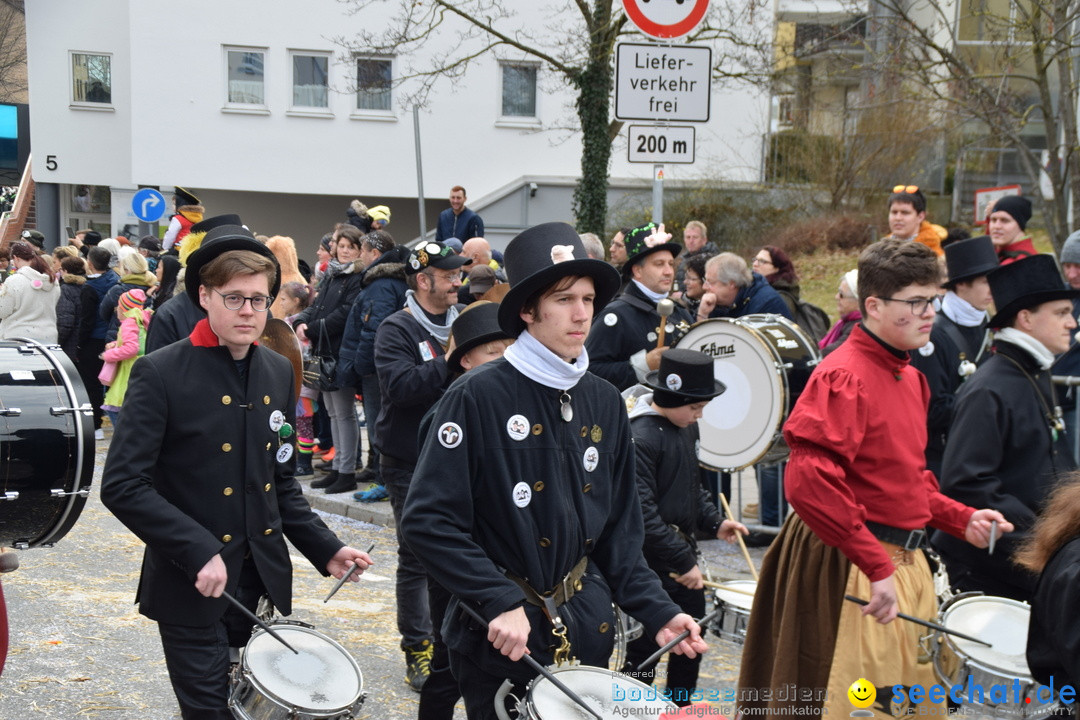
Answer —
(665, 19)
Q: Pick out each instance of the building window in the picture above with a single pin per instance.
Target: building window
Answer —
(91, 78)
(246, 76)
(373, 77)
(519, 90)
(311, 80)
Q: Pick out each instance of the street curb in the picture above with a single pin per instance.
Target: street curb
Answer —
(375, 513)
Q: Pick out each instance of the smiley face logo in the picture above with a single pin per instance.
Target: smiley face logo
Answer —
(861, 693)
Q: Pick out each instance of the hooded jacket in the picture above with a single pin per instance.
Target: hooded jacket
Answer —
(93, 326)
(382, 294)
(69, 313)
(28, 306)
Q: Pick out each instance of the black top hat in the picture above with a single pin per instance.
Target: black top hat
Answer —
(638, 247)
(186, 197)
(149, 242)
(434, 254)
(476, 325)
(685, 377)
(217, 221)
(539, 257)
(1024, 284)
(968, 259)
(220, 240)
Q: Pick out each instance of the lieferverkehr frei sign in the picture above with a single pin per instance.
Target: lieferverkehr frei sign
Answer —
(662, 82)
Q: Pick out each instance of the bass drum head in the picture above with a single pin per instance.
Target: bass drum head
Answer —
(322, 678)
(741, 424)
(46, 444)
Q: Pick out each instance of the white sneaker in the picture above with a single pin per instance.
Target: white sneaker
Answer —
(99, 434)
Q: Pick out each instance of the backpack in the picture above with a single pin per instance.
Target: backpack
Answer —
(811, 319)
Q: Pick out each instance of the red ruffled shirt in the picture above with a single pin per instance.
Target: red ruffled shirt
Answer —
(857, 437)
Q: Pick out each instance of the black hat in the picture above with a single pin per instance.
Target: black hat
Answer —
(968, 259)
(476, 325)
(149, 242)
(481, 279)
(193, 240)
(685, 377)
(91, 237)
(1017, 206)
(217, 221)
(1024, 284)
(638, 247)
(35, 238)
(434, 254)
(185, 197)
(539, 257)
(220, 240)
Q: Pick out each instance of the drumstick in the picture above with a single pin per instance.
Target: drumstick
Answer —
(738, 536)
(664, 308)
(717, 586)
(535, 665)
(924, 623)
(346, 576)
(993, 535)
(651, 660)
(255, 618)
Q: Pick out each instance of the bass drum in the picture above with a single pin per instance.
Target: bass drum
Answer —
(46, 444)
(765, 361)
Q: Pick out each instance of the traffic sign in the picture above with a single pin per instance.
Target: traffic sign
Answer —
(660, 144)
(664, 19)
(663, 82)
(148, 205)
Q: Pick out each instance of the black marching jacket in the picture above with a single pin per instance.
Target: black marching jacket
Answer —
(1002, 454)
(193, 471)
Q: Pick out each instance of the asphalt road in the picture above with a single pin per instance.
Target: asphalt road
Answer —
(79, 648)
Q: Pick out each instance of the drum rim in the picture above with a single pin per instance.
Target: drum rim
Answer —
(609, 674)
(249, 674)
(982, 664)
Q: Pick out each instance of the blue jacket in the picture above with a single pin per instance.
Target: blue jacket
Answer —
(757, 297)
(382, 294)
(94, 327)
(464, 226)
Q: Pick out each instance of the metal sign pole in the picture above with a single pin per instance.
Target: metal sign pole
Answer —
(658, 194)
(419, 172)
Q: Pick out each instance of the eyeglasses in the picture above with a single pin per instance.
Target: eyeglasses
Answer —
(918, 305)
(761, 261)
(909, 189)
(235, 301)
(449, 278)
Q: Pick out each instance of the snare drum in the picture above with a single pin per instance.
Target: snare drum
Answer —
(734, 616)
(46, 444)
(273, 683)
(627, 629)
(1004, 622)
(764, 361)
(611, 694)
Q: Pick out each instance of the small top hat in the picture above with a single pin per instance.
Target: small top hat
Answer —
(220, 240)
(642, 242)
(434, 254)
(476, 325)
(1025, 284)
(185, 197)
(539, 257)
(686, 377)
(968, 259)
(193, 240)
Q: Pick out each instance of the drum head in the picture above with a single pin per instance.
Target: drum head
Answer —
(738, 599)
(739, 426)
(611, 694)
(322, 677)
(997, 620)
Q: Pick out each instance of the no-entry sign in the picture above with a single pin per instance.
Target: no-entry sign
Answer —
(664, 19)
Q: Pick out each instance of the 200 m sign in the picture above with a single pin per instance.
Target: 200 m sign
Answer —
(659, 144)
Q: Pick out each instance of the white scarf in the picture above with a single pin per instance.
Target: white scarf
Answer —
(1022, 340)
(654, 296)
(533, 360)
(439, 332)
(960, 311)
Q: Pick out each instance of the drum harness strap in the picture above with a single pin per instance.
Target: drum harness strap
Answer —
(550, 601)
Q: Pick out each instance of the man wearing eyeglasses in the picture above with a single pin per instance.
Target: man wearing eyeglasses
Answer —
(205, 477)
(863, 500)
(907, 218)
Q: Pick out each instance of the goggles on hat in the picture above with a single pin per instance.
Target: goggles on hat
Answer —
(426, 252)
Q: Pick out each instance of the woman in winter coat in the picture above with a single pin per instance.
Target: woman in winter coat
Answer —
(324, 324)
(774, 265)
(69, 306)
(28, 298)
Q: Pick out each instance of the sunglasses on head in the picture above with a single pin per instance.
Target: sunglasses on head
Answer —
(909, 189)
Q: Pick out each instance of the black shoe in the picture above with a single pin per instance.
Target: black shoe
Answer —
(418, 663)
(345, 482)
(758, 539)
(367, 475)
(303, 467)
(326, 481)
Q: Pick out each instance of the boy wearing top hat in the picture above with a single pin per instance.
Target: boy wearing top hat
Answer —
(523, 503)
(960, 340)
(673, 502)
(205, 479)
(1008, 447)
(623, 343)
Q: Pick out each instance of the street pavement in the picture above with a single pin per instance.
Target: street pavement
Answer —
(80, 649)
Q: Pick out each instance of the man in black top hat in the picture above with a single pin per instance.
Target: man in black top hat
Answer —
(523, 500)
(624, 343)
(205, 478)
(960, 340)
(1007, 446)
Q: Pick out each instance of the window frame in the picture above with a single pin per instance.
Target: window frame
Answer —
(75, 104)
(518, 121)
(231, 106)
(358, 113)
(310, 110)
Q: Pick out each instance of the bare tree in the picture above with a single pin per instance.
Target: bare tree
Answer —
(576, 44)
(12, 52)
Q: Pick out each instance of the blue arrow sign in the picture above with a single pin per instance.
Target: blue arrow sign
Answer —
(148, 205)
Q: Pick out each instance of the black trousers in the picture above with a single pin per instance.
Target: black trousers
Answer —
(198, 657)
(89, 368)
(478, 687)
(440, 692)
